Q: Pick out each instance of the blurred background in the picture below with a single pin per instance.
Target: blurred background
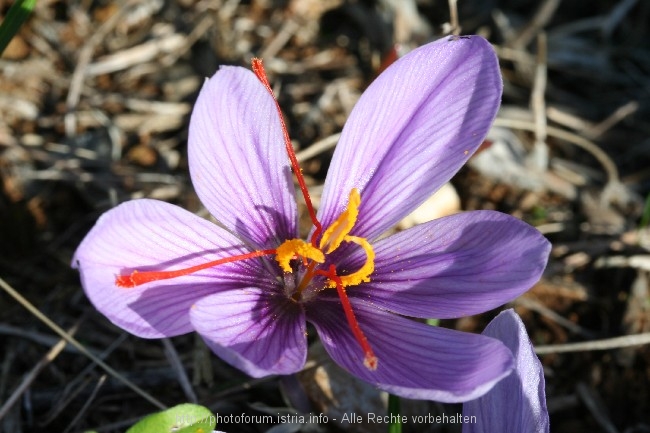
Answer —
(95, 98)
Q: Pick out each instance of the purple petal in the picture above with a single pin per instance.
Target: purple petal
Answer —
(237, 159)
(414, 360)
(455, 266)
(518, 402)
(153, 235)
(258, 331)
(411, 131)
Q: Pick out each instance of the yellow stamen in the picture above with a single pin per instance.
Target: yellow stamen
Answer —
(340, 228)
(297, 247)
(311, 255)
(363, 274)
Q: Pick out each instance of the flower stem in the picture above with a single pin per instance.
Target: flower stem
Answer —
(395, 425)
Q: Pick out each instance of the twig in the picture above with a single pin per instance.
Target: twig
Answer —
(549, 228)
(85, 55)
(318, 147)
(605, 344)
(566, 119)
(611, 120)
(639, 261)
(518, 56)
(453, 17)
(531, 304)
(197, 33)
(136, 55)
(72, 341)
(538, 106)
(280, 40)
(608, 165)
(541, 18)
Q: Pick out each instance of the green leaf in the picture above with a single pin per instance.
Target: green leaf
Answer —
(15, 18)
(184, 418)
(394, 412)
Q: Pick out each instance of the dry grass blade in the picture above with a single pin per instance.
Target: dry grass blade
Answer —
(542, 17)
(37, 337)
(618, 115)
(85, 55)
(136, 55)
(72, 341)
(454, 25)
(531, 304)
(608, 165)
(29, 377)
(79, 383)
(538, 105)
(87, 403)
(595, 405)
(636, 262)
(605, 344)
(317, 148)
(286, 32)
(177, 365)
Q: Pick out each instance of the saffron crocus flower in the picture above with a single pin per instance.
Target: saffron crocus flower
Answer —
(518, 403)
(249, 285)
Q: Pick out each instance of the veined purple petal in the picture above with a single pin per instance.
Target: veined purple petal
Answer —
(414, 360)
(411, 131)
(237, 159)
(518, 402)
(150, 235)
(258, 331)
(454, 266)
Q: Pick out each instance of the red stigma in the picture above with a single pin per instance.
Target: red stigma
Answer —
(258, 69)
(136, 278)
(369, 360)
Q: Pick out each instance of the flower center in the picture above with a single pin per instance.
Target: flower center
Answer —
(332, 238)
(311, 256)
